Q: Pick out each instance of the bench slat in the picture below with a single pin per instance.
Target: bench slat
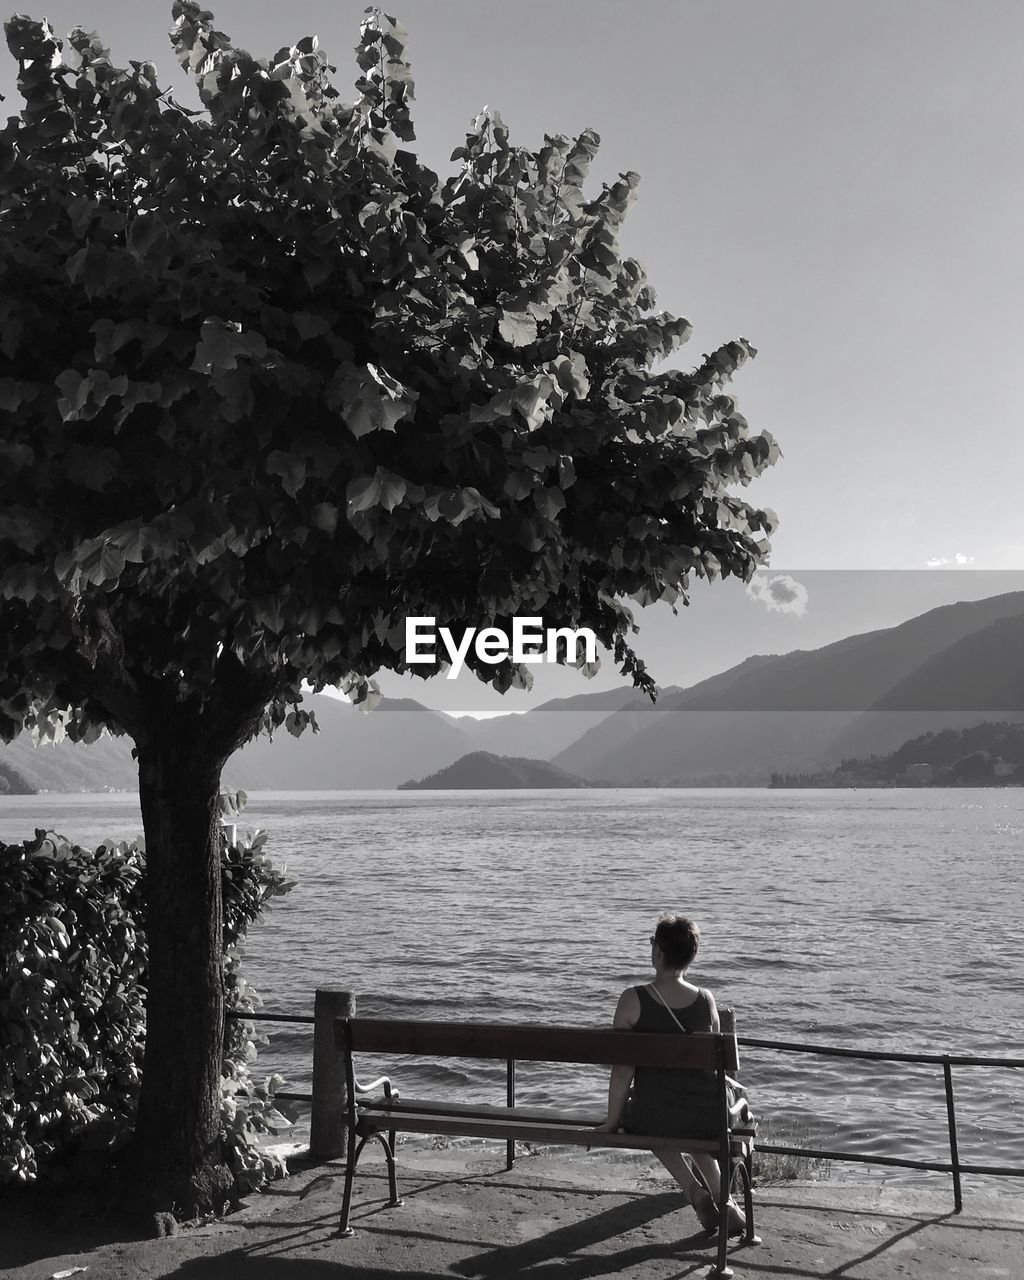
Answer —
(485, 1111)
(437, 1107)
(698, 1050)
(530, 1131)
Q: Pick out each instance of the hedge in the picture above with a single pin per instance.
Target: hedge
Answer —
(72, 1003)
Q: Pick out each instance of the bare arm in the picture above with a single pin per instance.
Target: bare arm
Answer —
(627, 1012)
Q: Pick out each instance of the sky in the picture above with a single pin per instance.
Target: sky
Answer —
(841, 183)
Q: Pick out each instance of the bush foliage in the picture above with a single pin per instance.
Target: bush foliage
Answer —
(72, 1002)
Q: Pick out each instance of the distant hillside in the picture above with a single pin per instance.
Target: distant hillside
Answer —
(984, 671)
(544, 731)
(106, 765)
(979, 677)
(483, 771)
(809, 708)
(354, 750)
(987, 754)
(804, 711)
(12, 783)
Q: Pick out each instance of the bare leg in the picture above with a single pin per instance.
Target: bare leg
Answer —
(681, 1171)
(707, 1168)
(696, 1192)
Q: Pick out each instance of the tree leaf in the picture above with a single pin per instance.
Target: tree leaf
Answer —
(308, 325)
(325, 517)
(375, 402)
(517, 328)
(290, 468)
(102, 565)
(362, 493)
(392, 490)
(146, 232)
(222, 343)
(531, 399)
(549, 502)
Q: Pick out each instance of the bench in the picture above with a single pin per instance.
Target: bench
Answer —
(384, 1117)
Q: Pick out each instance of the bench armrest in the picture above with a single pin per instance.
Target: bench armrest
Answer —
(740, 1115)
(382, 1082)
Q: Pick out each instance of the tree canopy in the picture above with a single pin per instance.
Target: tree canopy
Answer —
(271, 386)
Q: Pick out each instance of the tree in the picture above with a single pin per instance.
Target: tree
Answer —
(270, 387)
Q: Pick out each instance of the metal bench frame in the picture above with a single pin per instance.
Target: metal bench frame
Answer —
(383, 1118)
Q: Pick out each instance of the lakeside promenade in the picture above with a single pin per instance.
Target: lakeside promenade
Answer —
(575, 1216)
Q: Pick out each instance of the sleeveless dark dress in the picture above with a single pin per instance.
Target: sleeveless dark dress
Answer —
(668, 1100)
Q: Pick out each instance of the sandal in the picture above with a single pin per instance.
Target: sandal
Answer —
(705, 1209)
(736, 1217)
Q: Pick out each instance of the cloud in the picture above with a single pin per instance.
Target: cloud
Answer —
(959, 561)
(780, 593)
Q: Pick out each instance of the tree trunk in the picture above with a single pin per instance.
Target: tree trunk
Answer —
(176, 1163)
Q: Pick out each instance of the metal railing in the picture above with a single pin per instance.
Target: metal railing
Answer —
(947, 1061)
(954, 1166)
(257, 1015)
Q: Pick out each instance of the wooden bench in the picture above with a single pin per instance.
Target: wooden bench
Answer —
(384, 1117)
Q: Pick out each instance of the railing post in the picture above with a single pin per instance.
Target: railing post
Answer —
(510, 1101)
(327, 1136)
(954, 1158)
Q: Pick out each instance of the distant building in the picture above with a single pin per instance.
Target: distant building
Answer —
(919, 775)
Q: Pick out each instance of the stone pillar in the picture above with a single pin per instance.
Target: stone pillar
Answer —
(327, 1136)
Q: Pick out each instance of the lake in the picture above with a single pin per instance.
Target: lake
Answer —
(887, 920)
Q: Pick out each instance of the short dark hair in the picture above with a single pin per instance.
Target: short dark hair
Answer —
(679, 938)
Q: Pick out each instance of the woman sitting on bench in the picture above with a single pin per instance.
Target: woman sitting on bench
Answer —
(663, 1100)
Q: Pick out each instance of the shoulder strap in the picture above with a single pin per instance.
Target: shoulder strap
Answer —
(665, 1005)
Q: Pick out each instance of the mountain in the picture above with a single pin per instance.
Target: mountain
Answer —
(949, 668)
(808, 708)
(106, 765)
(976, 677)
(12, 783)
(544, 731)
(982, 672)
(484, 771)
(987, 754)
(354, 750)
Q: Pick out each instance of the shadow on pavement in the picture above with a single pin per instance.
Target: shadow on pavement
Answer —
(562, 1251)
(36, 1224)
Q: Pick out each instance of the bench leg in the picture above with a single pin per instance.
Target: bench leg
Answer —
(344, 1228)
(388, 1144)
(748, 1198)
(721, 1270)
(743, 1174)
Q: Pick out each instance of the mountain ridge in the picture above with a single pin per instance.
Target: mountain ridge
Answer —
(485, 771)
(805, 709)
(798, 710)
